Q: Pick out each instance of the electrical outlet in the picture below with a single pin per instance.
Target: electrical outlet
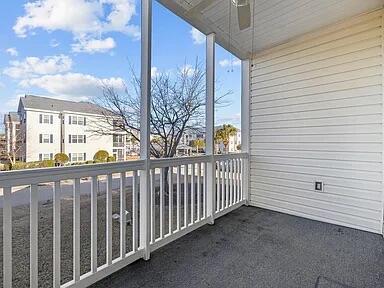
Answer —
(319, 186)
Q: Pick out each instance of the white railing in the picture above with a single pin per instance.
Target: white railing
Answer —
(178, 192)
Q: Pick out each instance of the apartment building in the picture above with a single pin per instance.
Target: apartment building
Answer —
(234, 144)
(3, 148)
(189, 136)
(12, 136)
(49, 126)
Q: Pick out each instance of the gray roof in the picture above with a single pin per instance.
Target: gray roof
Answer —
(12, 117)
(45, 103)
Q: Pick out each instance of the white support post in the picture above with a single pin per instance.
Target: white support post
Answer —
(209, 124)
(245, 104)
(7, 237)
(145, 114)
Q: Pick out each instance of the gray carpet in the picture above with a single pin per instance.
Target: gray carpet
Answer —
(253, 247)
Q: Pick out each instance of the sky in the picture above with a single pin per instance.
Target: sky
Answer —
(66, 48)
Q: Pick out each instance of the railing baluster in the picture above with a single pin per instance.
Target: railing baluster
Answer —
(242, 163)
(238, 180)
(109, 219)
(193, 193)
(226, 184)
(153, 233)
(218, 184)
(198, 190)
(205, 190)
(135, 203)
(231, 182)
(186, 196)
(56, 235)
(76, 230)
(7, 237)
(170, 199)
(178, 198)
(222, 185)
(123, 221)
(162, 218)
(33, 255)
(94, 191)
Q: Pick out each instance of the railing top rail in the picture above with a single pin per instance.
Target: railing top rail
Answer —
(44, 175)
(220, 157)
(167, 162)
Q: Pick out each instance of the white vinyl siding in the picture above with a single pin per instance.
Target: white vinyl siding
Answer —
(316, 115)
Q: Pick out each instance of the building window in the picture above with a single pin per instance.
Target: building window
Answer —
(118, 140)
(118, 154)
(77, 157)
(77, 120)
(46, 119)
(77, 139)
(46, 138)
(45, 156)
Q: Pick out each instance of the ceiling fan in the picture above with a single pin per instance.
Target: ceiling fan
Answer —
(243, 11)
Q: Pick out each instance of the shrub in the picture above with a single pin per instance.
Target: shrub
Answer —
(101, 156)
(5, 166)
(111, 159)
(19, 166)
(47, 163)
(61, 158)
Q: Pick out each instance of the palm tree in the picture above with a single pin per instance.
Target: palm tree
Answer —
(198, 143)
(224, 134)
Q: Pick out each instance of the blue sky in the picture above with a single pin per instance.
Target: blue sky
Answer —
(65, 48)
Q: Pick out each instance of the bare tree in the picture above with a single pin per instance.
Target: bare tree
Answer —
(178, 106)
(15, 148)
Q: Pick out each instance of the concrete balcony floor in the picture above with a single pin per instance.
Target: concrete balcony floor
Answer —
(253, 247)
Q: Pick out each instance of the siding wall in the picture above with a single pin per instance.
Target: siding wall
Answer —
(317, 114)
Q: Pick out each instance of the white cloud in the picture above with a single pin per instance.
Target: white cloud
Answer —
(12, 51)
(155, 72)
(227, 63)
(94, 45)
(34, 66)
(73, 85)
(85, 19)
(197, 36)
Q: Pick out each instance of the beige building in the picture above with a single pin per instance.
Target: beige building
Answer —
(49, 126)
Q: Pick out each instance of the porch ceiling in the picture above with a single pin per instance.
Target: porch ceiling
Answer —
(276, 21)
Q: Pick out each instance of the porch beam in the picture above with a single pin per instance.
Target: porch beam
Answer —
(145, 114)
(245, 104)
(209, 123)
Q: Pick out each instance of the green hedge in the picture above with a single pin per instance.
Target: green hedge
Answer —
(31, 165)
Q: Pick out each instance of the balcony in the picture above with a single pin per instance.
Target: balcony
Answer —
(99, 218)
(311, 116)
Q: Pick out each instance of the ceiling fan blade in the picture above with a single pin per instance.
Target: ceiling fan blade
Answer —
(244, 16)
(200, 7)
